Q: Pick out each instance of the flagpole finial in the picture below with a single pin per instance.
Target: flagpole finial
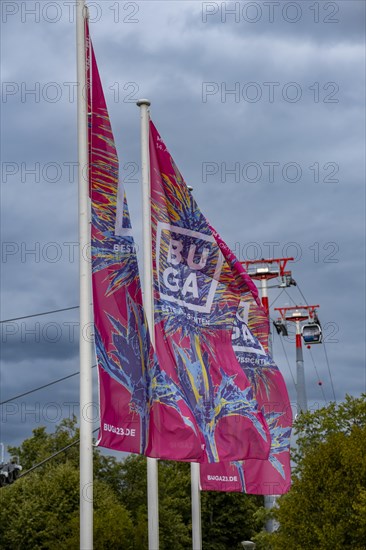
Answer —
(143, 102)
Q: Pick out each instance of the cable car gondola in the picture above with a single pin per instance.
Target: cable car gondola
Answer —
(281, 327)
(312, 333)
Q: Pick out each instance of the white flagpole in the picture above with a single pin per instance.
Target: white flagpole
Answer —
(152, 463)
(196, 499)
(86, 434)
(196, 506)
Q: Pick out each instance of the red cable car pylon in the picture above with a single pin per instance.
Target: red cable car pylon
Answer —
(263, 270)
(298, 315)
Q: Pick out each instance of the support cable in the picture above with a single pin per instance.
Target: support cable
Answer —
(295, 304)
(39, 314)
(42, 387)
(329, 371)
(52, 456)
(317, 374)
(303, 297)
(326, 356)
(275, 300)
(288, 362)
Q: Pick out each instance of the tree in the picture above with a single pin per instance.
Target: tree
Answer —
(42, 445)
(325, 508)
(313, 428)
(41, 510)
(43, 507)
(228, 518)
(174, 502)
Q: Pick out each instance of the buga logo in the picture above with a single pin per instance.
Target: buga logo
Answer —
(242, 339)
(189, 264)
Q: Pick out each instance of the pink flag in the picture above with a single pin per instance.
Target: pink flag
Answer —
(192, 401)
(197, 296)
(122, 342)
(131, 381)
(250, 339)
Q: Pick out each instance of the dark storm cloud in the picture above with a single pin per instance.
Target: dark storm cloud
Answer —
(46, 407)
(33, 339)
(305, 20)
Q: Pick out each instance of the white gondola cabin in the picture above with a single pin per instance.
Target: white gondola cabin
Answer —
(312, 333)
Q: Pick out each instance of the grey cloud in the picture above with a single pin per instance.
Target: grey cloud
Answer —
(324, 22)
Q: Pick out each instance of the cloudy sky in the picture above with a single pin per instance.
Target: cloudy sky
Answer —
(262, 105)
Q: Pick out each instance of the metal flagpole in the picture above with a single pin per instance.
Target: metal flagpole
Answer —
(196, 507)
(86, 434)
(269, 500)
(196, 498)
(302, 402)
(152, 463)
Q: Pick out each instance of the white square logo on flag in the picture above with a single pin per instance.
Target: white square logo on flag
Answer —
(189, 265)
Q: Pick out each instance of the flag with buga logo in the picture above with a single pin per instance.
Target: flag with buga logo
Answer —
(197, 298)
(123, 348)
(145, 408)
(250, 340)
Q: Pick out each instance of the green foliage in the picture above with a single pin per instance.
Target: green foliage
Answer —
(175, 505)
(228, 518)
(43, 507)
(174, 502)
(41, 510)
(262, 538)
(326, 507)
(313, 428)
(42, 445)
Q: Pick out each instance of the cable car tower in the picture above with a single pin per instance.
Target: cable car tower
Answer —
(307, 328)
(263, 270)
